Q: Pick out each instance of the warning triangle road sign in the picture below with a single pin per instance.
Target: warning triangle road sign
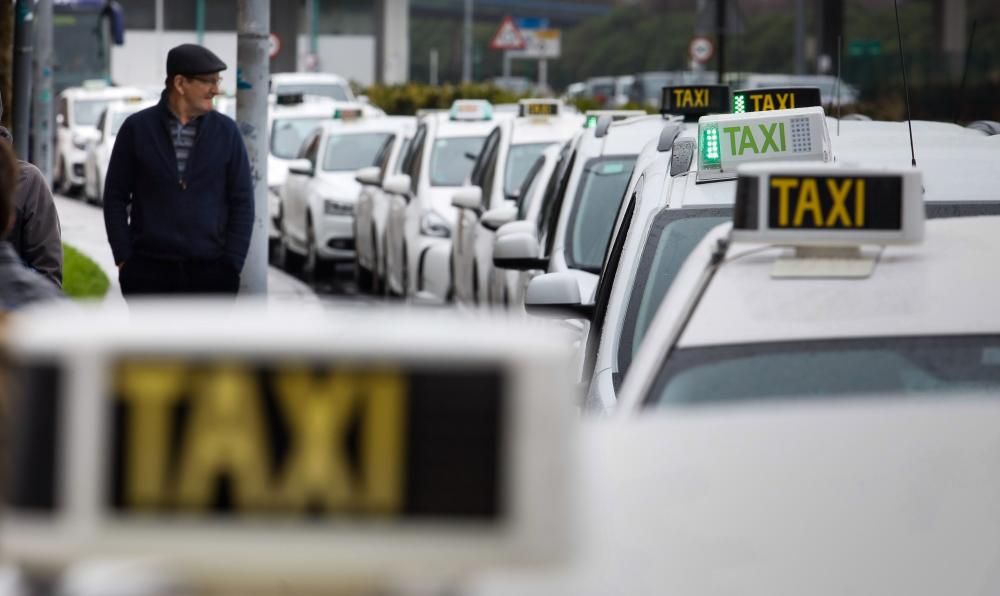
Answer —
(508, 36)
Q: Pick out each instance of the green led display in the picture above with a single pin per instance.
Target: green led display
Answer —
(710, 151)
(739, 103)
(591, 122)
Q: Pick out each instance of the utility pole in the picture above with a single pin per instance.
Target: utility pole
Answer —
(24, 19)
(720, 32)
(199, 21)
(42, 133)
(467, 49)
(253, 27)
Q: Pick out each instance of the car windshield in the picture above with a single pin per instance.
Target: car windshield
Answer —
(672, 236)
(450, 162)
(602, 185)
(331, 90)
(896, 366)
(117, 119)
(87, 111)
(519, 162)
(349, 152)
(287, 135)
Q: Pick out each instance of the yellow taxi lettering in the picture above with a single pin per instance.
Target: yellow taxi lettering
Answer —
(382, 446)
(786, 101)
(149, 391)
(756, 101)
(809, 201)
(859, 203)
(838, 195)
(784, 186)
(701, 98)
(678, 94)
(225, 436)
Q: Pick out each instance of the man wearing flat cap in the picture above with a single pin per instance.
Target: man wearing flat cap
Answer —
(178, 200)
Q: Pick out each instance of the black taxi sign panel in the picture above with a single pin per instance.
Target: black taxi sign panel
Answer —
(695, 100)
(809, 204)
(775, 98)
(247, 442)
(538, 108)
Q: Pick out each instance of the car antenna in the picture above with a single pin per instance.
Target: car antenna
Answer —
(840, 59)
(906, 87)
(965, 72)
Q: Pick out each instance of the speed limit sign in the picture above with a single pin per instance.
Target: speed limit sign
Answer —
(701, 49)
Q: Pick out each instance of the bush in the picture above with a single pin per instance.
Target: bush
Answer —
(82, 278)
(406, 99)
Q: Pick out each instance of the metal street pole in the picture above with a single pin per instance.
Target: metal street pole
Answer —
(42, 132)
(720, 31)
(24, 18)
(434, 68)
(467, 49)
(253, 27)
(199, 21)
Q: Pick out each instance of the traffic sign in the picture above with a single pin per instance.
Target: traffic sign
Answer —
(508, 36)
(701, 49)
(540, 43)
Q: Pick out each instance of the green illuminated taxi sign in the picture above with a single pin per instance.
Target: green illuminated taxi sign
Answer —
(775, 98)
(816, 204)
(695, 100)
(727, 140)
(528, 107)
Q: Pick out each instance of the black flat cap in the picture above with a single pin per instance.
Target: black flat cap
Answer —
(192, 59)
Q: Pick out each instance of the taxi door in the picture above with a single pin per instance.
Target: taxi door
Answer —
(295, 194)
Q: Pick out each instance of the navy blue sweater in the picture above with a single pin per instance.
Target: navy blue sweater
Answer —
(206, 215)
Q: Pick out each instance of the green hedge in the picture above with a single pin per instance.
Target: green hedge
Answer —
(82, 278)
(406, 99)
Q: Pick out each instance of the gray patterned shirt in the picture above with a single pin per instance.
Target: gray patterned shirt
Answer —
(183, 136)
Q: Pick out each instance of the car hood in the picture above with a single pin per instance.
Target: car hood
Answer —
(338, 185)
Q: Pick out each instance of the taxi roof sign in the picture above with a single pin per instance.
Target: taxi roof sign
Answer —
(775, 98)
(246, 445)
(808, 204)
(539, 107)
(471, 109)
(347, 114)
(694, 100)
(591, 116)
(727, 140)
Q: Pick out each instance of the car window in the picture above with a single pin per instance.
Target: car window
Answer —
(404, 148)
(896, 366)
(487, 150)
(349, 152)
(553, 203)
(310, 148)
(450, 164)
(415, 157)
(287, 135)
(520, 158)
(331, 90)
(598, 197)
(672, 236)
(87, 111)
(533, 181)
(118, 118)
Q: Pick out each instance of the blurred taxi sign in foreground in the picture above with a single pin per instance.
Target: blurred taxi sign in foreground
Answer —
(728, 140)
(775, 98)
(241, 443)
(694, 100)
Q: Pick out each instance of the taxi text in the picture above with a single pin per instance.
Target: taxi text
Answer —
(818, 203)
(691, 98)
(756, 139)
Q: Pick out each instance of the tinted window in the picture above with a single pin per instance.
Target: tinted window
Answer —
(349, 152)
(404, 148)
(450, 161)
(553, 202)
(599, 195)
(520, 158)
(672, 236)
(287, 135)
(87, 111)
(898, 366)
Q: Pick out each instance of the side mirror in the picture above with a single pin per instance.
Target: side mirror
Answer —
(468, 197)
(302, 167)
(556, 295)
(397, 184)
(517, 227)
(518, 251)
(368, 176)
(494, 218)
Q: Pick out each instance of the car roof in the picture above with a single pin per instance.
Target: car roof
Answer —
(942, 286)
(306, 77)
(446, 127)
(376, 124)
(543, 130)
(630, 135)
(307, 109)
(74, 93)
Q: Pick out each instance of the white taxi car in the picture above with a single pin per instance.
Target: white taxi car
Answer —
(489, 200)
(371, 215)
(79, 108)
(315, 86)
(421, 216)
(827, 283)
(290, 119)
(316, 209)
(95, 166)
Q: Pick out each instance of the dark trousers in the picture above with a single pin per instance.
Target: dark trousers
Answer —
(143, 275)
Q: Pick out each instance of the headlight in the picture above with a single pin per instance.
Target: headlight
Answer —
(79, 142)
(432, 224)
(331, 207)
